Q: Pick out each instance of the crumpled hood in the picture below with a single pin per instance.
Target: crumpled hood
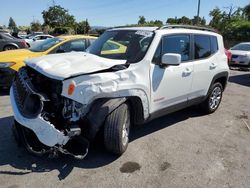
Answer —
(62, 66)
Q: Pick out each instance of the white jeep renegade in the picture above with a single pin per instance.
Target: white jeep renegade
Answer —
(128, 76)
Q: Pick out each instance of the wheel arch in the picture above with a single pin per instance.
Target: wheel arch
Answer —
(101, 108)
(11, 44)
(222, 78)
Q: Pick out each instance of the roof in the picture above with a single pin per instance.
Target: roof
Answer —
(68, 37)
(134, 28)
(169, 26)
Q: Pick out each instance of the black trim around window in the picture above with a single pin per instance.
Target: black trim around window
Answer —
(191, 47)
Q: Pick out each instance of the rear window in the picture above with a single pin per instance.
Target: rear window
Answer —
(204, 46)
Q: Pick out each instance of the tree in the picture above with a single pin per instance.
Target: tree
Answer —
(35, 26)
(142, 20)
(217, 18)
(82, 27)
(12, 24)
(171, 21)
(246, 12)
(57, 16)
(184, 20)
(232, 22)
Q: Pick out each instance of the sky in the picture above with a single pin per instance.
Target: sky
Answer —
(111, 12)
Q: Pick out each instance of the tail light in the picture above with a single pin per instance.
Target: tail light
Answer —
(24, 44)
(228, 54)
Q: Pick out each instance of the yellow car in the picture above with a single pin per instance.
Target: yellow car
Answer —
(11, 61)
(112, 47)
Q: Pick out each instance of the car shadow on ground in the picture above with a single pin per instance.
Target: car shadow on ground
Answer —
(243, 79)
(24, 163)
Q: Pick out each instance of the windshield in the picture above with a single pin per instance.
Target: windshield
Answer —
(130, 45)
(242, 47)
(45, 45)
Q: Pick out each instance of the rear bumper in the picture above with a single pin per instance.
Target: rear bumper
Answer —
(45, 131)
(239, 64)
(6, 76)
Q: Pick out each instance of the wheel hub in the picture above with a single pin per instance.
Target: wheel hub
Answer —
(215, 98)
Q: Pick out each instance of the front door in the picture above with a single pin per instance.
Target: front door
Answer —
(171, 85)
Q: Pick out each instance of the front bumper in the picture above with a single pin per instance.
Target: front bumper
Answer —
(6, 76)
(44, 130)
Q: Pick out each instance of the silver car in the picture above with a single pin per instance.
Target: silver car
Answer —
(8, 42)
(240, 55)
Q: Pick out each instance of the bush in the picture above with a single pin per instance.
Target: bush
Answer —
(238, 31)
(63, 31)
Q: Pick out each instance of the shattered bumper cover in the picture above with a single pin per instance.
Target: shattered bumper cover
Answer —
(44, 130)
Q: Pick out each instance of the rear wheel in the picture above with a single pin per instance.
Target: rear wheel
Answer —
(213, 100)
(116, 130)
(9, 47)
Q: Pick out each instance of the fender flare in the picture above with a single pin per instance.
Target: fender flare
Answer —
(98, 112)
(223, 74)
(11, 44)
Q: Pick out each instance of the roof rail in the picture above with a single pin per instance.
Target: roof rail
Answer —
(188, 27)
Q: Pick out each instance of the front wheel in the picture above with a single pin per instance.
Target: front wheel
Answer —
(9, 47)
(116, 130)
(213, 100)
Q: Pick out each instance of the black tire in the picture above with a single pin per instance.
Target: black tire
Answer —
(9, 47)
(115, 138)
(211, 104)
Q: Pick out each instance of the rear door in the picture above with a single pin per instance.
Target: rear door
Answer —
(171, 85)
(205, 48)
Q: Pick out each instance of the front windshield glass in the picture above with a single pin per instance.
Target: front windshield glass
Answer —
(130, 45)
(242, 47)
(45, 45)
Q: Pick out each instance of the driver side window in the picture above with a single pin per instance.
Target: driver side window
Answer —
(179, 44)
(75, 45)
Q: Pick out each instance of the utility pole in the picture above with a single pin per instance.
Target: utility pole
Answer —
(198, 12)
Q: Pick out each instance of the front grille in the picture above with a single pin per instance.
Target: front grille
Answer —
(20, 88)
(35, 93)
(234, 56)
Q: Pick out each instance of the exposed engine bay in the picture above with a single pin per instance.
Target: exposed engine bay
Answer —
(38, 101)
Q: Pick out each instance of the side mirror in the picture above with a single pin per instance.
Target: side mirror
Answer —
(171, 59)
(34, 39)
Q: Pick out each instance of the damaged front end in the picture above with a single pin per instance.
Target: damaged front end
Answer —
(46, 122)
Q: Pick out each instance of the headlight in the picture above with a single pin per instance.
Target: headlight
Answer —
(6, 64)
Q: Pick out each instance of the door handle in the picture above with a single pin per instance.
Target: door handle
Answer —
(187, 71)
(213, 65)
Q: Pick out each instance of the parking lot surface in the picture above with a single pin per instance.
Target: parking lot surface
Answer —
(184, 149)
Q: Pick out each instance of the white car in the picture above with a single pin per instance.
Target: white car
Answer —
(33, 40)
(63, 99)
(240, 55)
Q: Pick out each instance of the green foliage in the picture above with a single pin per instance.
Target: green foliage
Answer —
(63, 31)
(142, 20)
(12, 25)
(187, 21)
(82, 27)
(234, 24)
(246, 12)
(35, 26)
(57, 16)
(238, 31)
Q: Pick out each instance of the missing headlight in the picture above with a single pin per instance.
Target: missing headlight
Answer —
(73, 110)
